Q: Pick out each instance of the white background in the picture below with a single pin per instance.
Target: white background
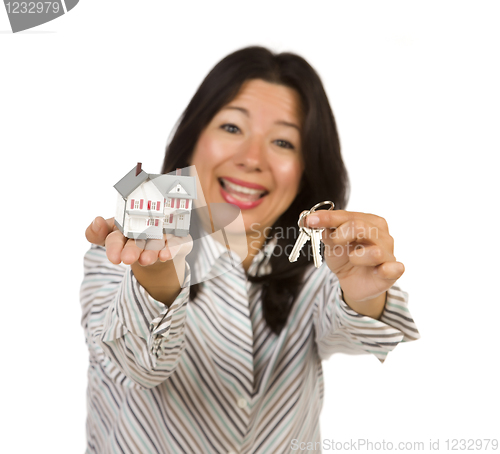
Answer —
(415, 90)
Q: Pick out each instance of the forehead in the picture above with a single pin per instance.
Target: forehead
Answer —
(265, 98)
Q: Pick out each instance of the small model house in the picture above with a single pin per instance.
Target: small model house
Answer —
(150, 205)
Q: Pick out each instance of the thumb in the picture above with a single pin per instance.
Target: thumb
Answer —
(98, 230)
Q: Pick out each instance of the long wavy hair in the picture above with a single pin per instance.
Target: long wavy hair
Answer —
(324, 178)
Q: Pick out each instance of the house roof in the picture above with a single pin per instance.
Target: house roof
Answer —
(130, 182)
(164, 183)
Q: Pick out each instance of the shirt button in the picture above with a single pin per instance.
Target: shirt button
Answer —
(242, 403)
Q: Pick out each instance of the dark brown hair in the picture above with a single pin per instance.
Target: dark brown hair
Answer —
(324, 177)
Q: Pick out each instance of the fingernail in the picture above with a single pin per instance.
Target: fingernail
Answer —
(95, 226)
(312, 220)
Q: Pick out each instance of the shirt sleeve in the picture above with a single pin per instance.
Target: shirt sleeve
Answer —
(340, 329)
(133, 338)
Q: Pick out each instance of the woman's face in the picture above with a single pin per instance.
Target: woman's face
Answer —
(249, 155)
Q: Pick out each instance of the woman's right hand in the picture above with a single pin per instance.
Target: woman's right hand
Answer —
(103, 232)
(158, 265)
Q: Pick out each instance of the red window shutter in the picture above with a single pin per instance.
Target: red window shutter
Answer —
(132, 204)
(156, 221)
(187, 204)
(149, 204)
(178, 203)
(157, 206)
(171, 218)
(141, 204)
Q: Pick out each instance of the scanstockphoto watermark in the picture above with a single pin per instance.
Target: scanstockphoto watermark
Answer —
(364, 444)
(349, 239)
(24, 15)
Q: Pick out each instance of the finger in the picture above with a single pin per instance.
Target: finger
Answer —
(362, 255)
(100, 228)
(151, 251)
(148, 257)
(132, 251)
(179, 246)
(302, 219)
(114, 244)
(358, 230)
(175, 246)
(164, 254)
(389, 270)
(335, 218)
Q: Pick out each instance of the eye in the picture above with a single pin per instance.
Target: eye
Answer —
(230, 128)
(284, 144)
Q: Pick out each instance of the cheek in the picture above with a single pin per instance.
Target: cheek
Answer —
(288, 174)
(209, 150)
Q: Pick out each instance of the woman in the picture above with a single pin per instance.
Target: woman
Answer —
(233, 363)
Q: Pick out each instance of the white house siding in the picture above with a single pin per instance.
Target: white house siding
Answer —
(147, 191)
(136, 221)
(120, 210)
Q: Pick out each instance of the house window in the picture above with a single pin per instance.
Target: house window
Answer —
(136, 205)
(181, 217)
(169, 203)
(183, 203)
(152, 222)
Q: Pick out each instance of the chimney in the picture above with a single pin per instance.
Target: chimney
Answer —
(138, 169)
(178, 172)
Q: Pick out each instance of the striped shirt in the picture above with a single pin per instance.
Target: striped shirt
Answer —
(208, 375)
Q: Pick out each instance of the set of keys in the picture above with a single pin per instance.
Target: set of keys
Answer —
(307, 233)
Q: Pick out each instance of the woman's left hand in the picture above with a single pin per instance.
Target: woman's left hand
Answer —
(360, 251)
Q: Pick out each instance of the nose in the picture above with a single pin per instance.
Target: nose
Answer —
(251, 156)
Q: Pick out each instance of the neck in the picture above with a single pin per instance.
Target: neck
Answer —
(254, 246)
(241, 240)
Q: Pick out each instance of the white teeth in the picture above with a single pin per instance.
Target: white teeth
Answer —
(242, 189)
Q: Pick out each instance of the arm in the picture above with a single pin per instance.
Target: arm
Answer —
(161, 280)
(372, 308)
(128, 331)
(360, 310)
(339, 328)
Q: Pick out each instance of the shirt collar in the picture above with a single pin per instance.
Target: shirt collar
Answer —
(211, 258)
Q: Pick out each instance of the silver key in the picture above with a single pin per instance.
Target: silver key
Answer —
(301, 240)
(313, 234)
(316, 244)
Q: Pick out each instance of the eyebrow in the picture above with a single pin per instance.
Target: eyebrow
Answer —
(247, 113)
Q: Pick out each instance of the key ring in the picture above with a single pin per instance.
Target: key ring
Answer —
(303, 215)
(326, 202)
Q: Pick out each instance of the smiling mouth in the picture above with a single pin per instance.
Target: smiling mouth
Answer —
(242, 193)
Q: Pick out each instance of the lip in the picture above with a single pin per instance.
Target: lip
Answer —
(245, 183)
(242, 205)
